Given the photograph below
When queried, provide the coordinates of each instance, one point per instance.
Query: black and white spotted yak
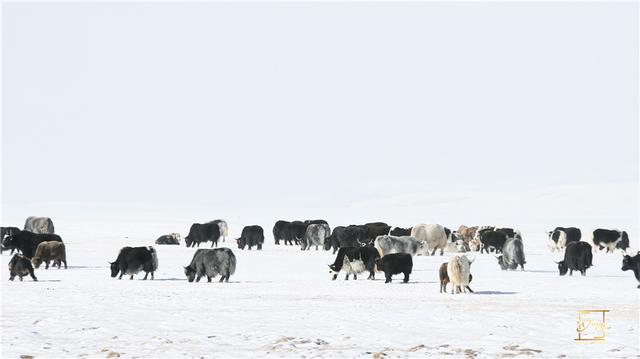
(610, 239)
(561, 236)
(354, 260)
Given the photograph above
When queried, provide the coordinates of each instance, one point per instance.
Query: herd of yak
(368, 248)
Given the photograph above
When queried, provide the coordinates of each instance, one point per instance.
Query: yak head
(422, 249)
(333, 272)
(188, 241)
(115, 268)
(501, 262)
(241, 242)
(327, 243)
(470, 260)
(627, 261)
(9, 241)
(36, 261)
(562, 267)
(190, 273)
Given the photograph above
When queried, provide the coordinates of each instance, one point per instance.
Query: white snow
(281, 302)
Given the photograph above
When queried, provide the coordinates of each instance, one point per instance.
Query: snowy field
(281, 303)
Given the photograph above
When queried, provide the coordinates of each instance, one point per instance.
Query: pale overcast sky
(275, 102)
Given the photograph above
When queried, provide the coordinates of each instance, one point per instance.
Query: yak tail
(154, 257)
(521, 259)
(224, 229)
(232, 263)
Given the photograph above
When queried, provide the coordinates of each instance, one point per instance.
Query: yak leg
(33, 276)
(146, 274)
(469, 289)
(46, 264)
(406, 277)
(388, 278)
(355, 276)
(372, 275)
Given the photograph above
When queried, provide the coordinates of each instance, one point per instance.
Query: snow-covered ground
(281, 302)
